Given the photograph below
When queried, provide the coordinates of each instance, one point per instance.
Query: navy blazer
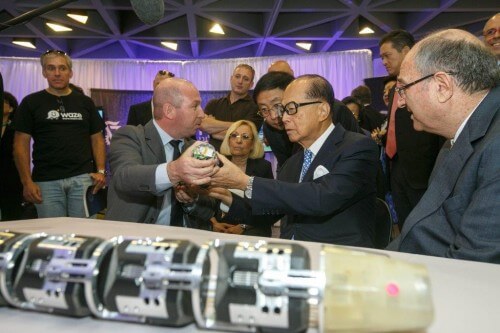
(459, 214)
(337, 208)
(140, 114)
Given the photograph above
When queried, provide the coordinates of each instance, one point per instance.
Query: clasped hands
(193, 177)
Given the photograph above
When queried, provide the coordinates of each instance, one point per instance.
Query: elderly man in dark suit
(327, 191)
(449, 84)
(145, 163)
(141, 113)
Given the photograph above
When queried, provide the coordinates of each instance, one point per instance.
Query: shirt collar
(316, 146)
(461, 128)
(165, 137)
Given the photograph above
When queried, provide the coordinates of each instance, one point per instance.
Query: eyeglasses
(53, 51)
(401, 90)
(62, 109)
(276, 108)
(244, 136)
(164, 72)
(490, 32)
(291, 108)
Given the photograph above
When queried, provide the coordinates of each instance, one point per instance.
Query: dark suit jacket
(459, 214)
(416, 151)
(370, 118)
(134, 154)
(140, 114)
(336, 208)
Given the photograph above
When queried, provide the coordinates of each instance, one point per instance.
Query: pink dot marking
(392, 289)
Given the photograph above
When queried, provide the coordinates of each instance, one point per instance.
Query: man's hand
(32, 193)
(99, 181)
(229, 176)
(223, 227)
(222, 194)
(191, 171)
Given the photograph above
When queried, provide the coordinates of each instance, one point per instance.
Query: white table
(466, 294)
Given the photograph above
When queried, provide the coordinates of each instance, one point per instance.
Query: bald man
(141, 113)
(280, 66)
(491, 33)
(143, 159)
(448, 84)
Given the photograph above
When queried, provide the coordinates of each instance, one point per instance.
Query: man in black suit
(327, 191)
(141, 113)
(369, 117)
(411, 154)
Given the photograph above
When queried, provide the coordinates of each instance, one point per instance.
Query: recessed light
(303, 45)
(217, 29)
(170, 45)
(79, 17)
(24, 43)
(58, 27)
(366, 31)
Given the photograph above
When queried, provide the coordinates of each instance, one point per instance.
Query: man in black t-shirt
(237, 105)
(68, 148)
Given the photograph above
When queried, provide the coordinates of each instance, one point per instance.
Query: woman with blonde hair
(244, 148)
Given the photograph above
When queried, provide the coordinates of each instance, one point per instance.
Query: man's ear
(324, 111)
(169, 111)
(405, 50)
(444, 85)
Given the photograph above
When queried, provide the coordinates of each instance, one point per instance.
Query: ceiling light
(81, 17)
(305, 46)
(57, 27)
(217, 29)
(170, 45)
(365, 27)
(29, 43)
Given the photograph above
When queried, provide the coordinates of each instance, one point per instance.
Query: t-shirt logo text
(54, 114)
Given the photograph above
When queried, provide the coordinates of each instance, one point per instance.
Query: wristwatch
(244, 227)
(249, 188)
(102, 171)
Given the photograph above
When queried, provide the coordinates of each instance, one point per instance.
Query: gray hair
(54, 54)
(473, 65)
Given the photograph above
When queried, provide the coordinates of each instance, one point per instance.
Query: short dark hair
(474, 67)
(363, 94)
(12, 101)
(320, 88)
(352, 100)
(399, 39)
(270, 81)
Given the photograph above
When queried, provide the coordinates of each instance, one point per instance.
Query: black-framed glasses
(53, 51)
(276, 108)
(292, 107)
(401, 90)
(163, 72)
(244, 136)
(62, 109)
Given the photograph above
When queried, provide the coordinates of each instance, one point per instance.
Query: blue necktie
(308, 156)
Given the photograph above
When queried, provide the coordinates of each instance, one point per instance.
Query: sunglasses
(54, 51)
(164, 72)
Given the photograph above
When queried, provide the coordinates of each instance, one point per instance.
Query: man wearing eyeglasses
(237, 105)
(327, 191)
(491, 33)
(68, 149)
(449, 84)
(141, 113)
(411, 153)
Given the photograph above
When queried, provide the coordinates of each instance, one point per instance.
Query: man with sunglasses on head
(141, 113)
(68, 151)
(327, 192)
(449, 84)
(411, 153)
